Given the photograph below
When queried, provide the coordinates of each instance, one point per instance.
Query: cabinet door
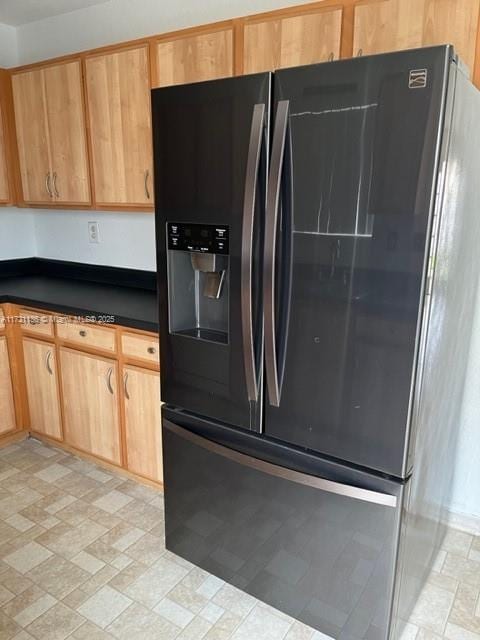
(42, 387)
(4, 185)
(387, 25)
(7, 406)
(291, 41)
(143, 422)
(118, 99)
(66, 123)
(32, 136)
(205, 56)
(90, 404)
(453, 22)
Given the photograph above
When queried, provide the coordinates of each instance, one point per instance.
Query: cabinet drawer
(88, 335)
(140, 347)
(37, 322)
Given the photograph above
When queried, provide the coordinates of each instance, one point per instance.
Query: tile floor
(82, 556)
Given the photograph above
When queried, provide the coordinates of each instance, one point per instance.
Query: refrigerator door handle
(330, 486)
(273, 202)
(251, 179)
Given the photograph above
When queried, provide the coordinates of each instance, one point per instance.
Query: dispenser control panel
(202, 238)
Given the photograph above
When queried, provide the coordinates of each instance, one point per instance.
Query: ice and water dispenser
(198, 280)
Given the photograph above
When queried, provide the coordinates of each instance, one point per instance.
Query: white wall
(8, 46)
(17, 234)
(119, 20)
(126, 239)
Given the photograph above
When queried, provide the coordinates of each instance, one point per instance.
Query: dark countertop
(131, 306)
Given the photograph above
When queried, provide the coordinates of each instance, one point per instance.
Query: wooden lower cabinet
(143, 428)
(7, 406)
(41, 375)
(90, 404)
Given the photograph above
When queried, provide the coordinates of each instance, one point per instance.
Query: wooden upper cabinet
(32, 136)
(118, 100)
(392, 25)
(67, 129)
(50, 122)
(7, 407)
(4, 182)
(292, 40)
(204, 56)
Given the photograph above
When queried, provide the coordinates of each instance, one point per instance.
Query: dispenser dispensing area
(198, 280)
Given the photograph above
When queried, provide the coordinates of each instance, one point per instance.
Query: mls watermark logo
(417, 79)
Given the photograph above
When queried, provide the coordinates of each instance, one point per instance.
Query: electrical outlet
(93, 233)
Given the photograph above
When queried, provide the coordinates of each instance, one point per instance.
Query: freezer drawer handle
(346, 490)
(251, 179)
(275, 352)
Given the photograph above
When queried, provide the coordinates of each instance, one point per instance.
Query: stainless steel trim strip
(346, 490)
(273, 198)
(251, 179)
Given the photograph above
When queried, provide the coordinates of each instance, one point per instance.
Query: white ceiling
(18, 12)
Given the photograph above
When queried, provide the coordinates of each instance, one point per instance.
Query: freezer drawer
(320, 550)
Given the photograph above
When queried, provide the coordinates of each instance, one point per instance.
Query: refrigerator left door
(210, 154)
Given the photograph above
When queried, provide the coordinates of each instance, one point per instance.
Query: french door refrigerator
(317, 270)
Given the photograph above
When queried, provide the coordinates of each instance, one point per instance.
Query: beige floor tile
(432, 608)
(15, 582)
(27, 557)
(5, 594)
(89, 631)
(99, 579)
(19, 522)
(155, 583)
(454, 632)
(142, 515)
(58, 576)
(126, 576)
(113, 501)
(8, 627)
(212, 612)
(224, 627)
(443, 581)
(197, 629)
(56, 624)
(299, 631)
(140, 623)
(425, 634)
(261, 625)
(53, 473)
(174, 612)
(104, 606)
(463, 569)
(36, 609)
(464, 610)
(88, 562)
(234, 600)
(148, 549)
(76, 539)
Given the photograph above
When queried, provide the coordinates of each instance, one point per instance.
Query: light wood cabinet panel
(205, 56)
(7, 407)
(291, 41)
(143, 423)
(90, 402)
(391, 25)
(68, 144)
(90, 336)
(4, 183)
(141, 347)
(118, 101)
(455, 22)
(42, 387)
(32, 135)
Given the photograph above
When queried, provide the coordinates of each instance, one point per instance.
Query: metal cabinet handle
(109, 380)
(147, 191)
(125, 387)
(151, 350)
(290, 475)
(331, 57)
(48, 188)
(47, 362)
(249, 199)
(82, 333)
(55, 184)
(360, 53)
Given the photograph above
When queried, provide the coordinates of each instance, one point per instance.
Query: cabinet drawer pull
(47, 363)
(125, 387)
(359, 53)
(331, 57)
(109, 380)
(151, 350)
(47, 185)
(83, 333)
(147, 191)
(55, 184)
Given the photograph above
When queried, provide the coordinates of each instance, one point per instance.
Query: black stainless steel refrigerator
(317, 246)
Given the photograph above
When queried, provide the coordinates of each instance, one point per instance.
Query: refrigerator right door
(351, 186)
